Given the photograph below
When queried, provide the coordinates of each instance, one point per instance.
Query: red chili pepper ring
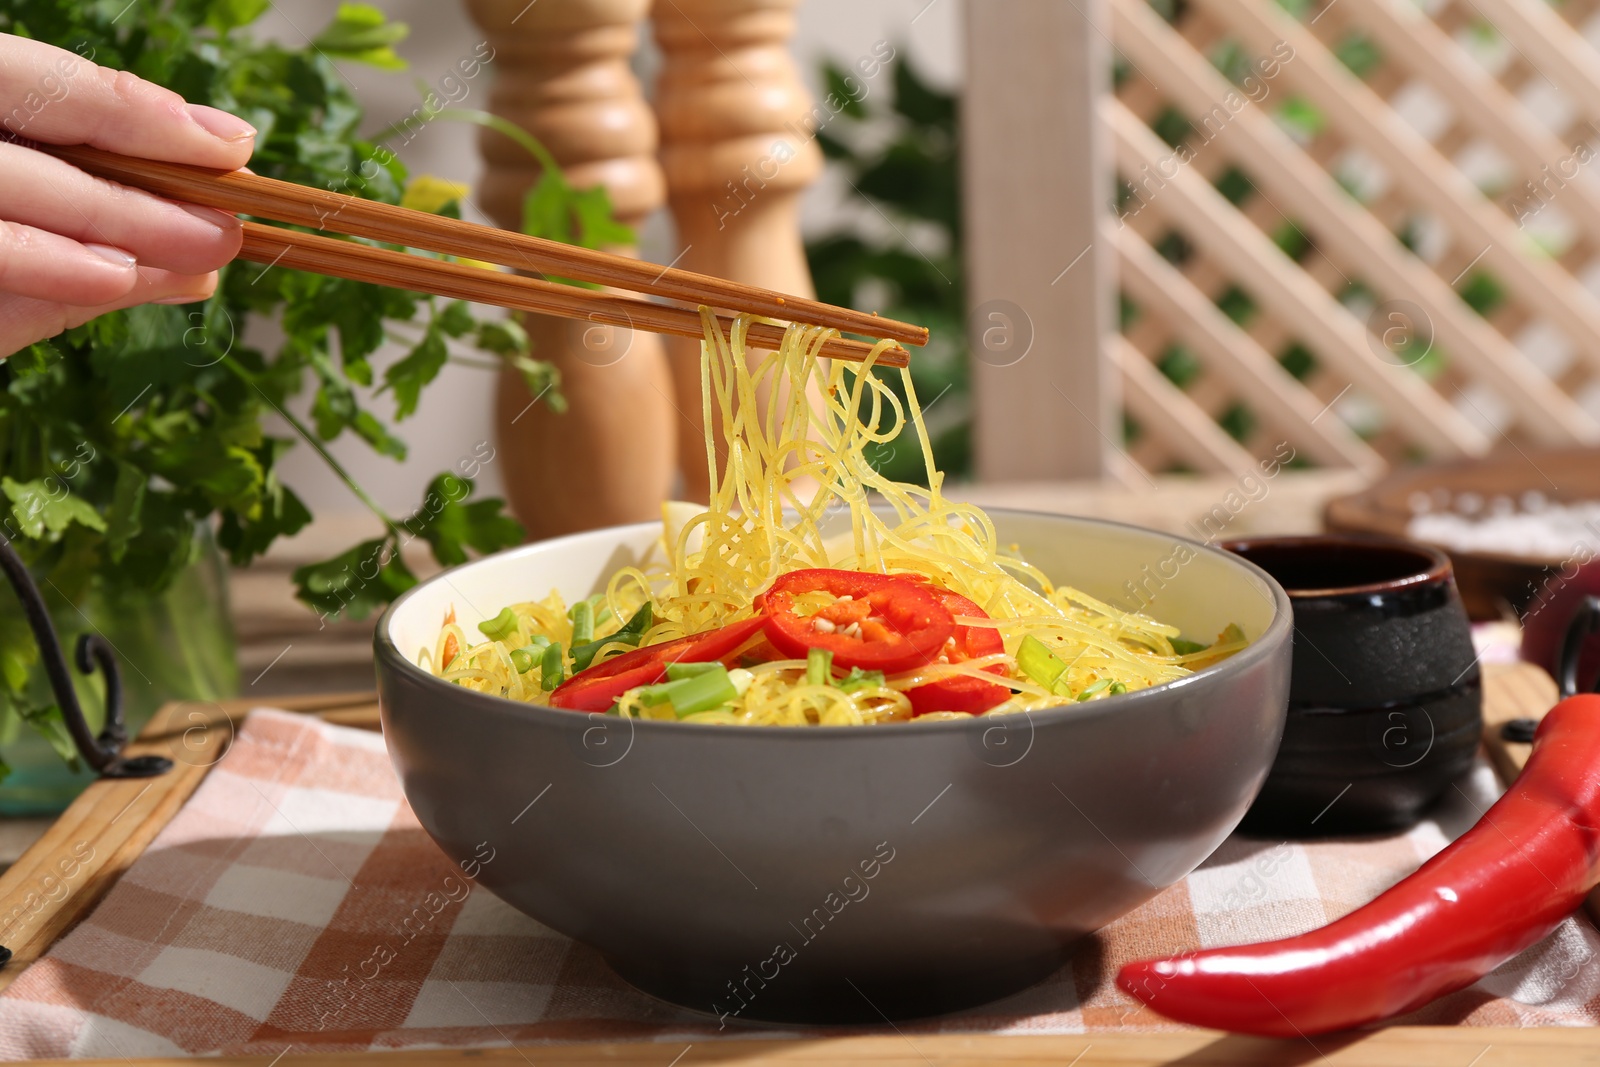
(879, 623)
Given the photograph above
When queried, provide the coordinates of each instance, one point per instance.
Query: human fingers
(59, 97)
(49, 194)
(24, 320)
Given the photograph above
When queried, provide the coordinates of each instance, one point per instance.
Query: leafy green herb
(1184, 647)
(553, 209)
(897, 145)
(361, 33)
(118, 437)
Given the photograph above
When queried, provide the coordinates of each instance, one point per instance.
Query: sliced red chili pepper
(901, 624)
(596, 688)
(1500, 887)
(963, 693)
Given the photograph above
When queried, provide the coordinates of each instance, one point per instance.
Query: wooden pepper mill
(562, 74)
(738, 149)
(737, 126)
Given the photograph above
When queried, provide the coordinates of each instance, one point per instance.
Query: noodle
(763, 520)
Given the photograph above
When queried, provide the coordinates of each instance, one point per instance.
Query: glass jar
(178, 646)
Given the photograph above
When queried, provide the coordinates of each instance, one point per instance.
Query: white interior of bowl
(1174, 580)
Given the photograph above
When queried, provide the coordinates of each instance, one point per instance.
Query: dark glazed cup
(1385, 700)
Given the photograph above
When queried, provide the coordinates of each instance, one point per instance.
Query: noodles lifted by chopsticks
(795, 490)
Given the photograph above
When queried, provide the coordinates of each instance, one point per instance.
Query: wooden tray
(114, 821)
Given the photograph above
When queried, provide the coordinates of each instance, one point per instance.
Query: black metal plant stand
(103, 754)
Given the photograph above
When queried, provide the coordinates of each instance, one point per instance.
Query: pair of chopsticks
(240, 193)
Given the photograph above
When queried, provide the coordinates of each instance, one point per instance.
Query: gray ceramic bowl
(845, 873)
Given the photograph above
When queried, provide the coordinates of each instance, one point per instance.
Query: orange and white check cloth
(279, 910)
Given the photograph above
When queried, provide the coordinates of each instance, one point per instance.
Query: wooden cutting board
(67, 871)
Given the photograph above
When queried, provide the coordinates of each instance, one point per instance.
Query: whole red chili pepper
(1497, 889)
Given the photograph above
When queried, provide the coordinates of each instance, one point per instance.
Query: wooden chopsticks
(240, 193)
(383, 266)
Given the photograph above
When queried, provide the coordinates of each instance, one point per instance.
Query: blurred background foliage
(901, 156)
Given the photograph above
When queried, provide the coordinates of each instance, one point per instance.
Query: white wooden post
(1037, 185)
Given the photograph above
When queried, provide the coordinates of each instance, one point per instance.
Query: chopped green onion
(1182, 647)
(859, 679)
(651, 695)
(1104, 683)
(819, 666)
(692, 693)
(1117, 689)
(551, 667)
(678, 671)
(1040, 664)
(597, 606)
(636, 626)
(741, 679)
(524, 659)
(702, 692)
(632, 633)
(501, 626)
(583, 655)
(582, 616)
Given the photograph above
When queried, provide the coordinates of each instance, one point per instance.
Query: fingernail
(191, 298)
(219, 219)
(220, 124)
(114, 255)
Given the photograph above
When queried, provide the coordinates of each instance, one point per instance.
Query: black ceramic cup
(1385, 699)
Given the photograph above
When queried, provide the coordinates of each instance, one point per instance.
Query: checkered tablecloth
(295, 903)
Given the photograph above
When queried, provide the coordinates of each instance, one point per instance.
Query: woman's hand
(73, 246)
